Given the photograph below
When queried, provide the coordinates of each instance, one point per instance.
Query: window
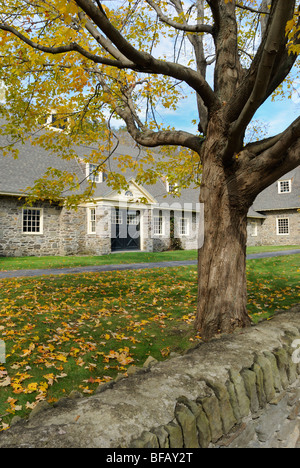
(158, 225)
(283, 226)
(116, 217)
(253, 229)
(171, 186)
(183, 227)
(58, 122)
(133, 219)
(92, 221)
(284, 186)
(32, 221)
(93, 174)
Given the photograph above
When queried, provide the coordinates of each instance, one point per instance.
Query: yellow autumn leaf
(50, 378)
(60, 357)
(32, 387)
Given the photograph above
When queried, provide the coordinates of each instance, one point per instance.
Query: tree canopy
(90, 62)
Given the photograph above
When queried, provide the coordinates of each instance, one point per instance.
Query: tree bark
(222, 286)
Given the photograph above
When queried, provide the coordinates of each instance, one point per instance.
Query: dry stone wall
(237, 391)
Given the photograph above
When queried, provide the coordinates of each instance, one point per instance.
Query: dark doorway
(125, 230)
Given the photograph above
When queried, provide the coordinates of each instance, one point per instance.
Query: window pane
(92, 220)
(31, 220)
(116, 217)
(284, 186)
(183, 227)
(94, 175)
(132, 219)
(283, 226)
(158, 225)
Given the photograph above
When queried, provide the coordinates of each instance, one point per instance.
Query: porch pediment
(134, 194)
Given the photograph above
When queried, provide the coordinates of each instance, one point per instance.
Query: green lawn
(19, 263)
(78, 331)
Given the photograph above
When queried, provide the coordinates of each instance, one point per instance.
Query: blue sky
(280, 114)
(275, 116)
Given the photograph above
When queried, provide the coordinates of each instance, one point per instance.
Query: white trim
(284, 181)
(285, 218)
(90, 221)
(125, 200)
(41, 221)
(142, 234)
(186, 224)
(97, 175)
(279, 209)
(174, 185)
(163, 225)
(254, 226)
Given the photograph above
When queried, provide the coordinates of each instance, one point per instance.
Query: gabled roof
(270, 199)
(33, 161)
(18, 174)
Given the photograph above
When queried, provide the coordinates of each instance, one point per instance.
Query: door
(125, 230)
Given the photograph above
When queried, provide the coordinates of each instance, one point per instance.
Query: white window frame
(116, 217)
(184, 226)
(51, 119)
(158, 225)
(171, 186)
(282, 184)
(279, 228)
(41, 222)
(133, 219)
(254, 226)
(96, 177)
(91, 212)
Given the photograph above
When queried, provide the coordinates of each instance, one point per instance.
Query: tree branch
(277, 156)
(73, 47)
(204, 28)
(253, 10)
(105, 43)
(146, 62)
(272, 50)
(286, 141)
(140, 133)
(260, 146)
(201, 62)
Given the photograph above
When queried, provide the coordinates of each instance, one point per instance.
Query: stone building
(147, 218)
(274, 218)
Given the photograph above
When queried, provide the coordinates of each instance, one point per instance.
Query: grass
(17, 263)
(75, 332)
(20, 263)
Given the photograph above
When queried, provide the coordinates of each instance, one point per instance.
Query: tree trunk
(222, 287)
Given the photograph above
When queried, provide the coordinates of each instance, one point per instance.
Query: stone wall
(237, 391)
(99, 243)
(267, 229)
(12, 240)
(64, 231)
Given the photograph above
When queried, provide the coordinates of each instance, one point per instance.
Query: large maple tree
(90, 61)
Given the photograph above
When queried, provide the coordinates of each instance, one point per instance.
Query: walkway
(133, 266)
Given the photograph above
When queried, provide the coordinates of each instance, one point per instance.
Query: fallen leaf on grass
(6, 382)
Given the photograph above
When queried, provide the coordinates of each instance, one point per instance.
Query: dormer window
(171, 186)
(56, 121)
(93, 174)
(284, 186)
